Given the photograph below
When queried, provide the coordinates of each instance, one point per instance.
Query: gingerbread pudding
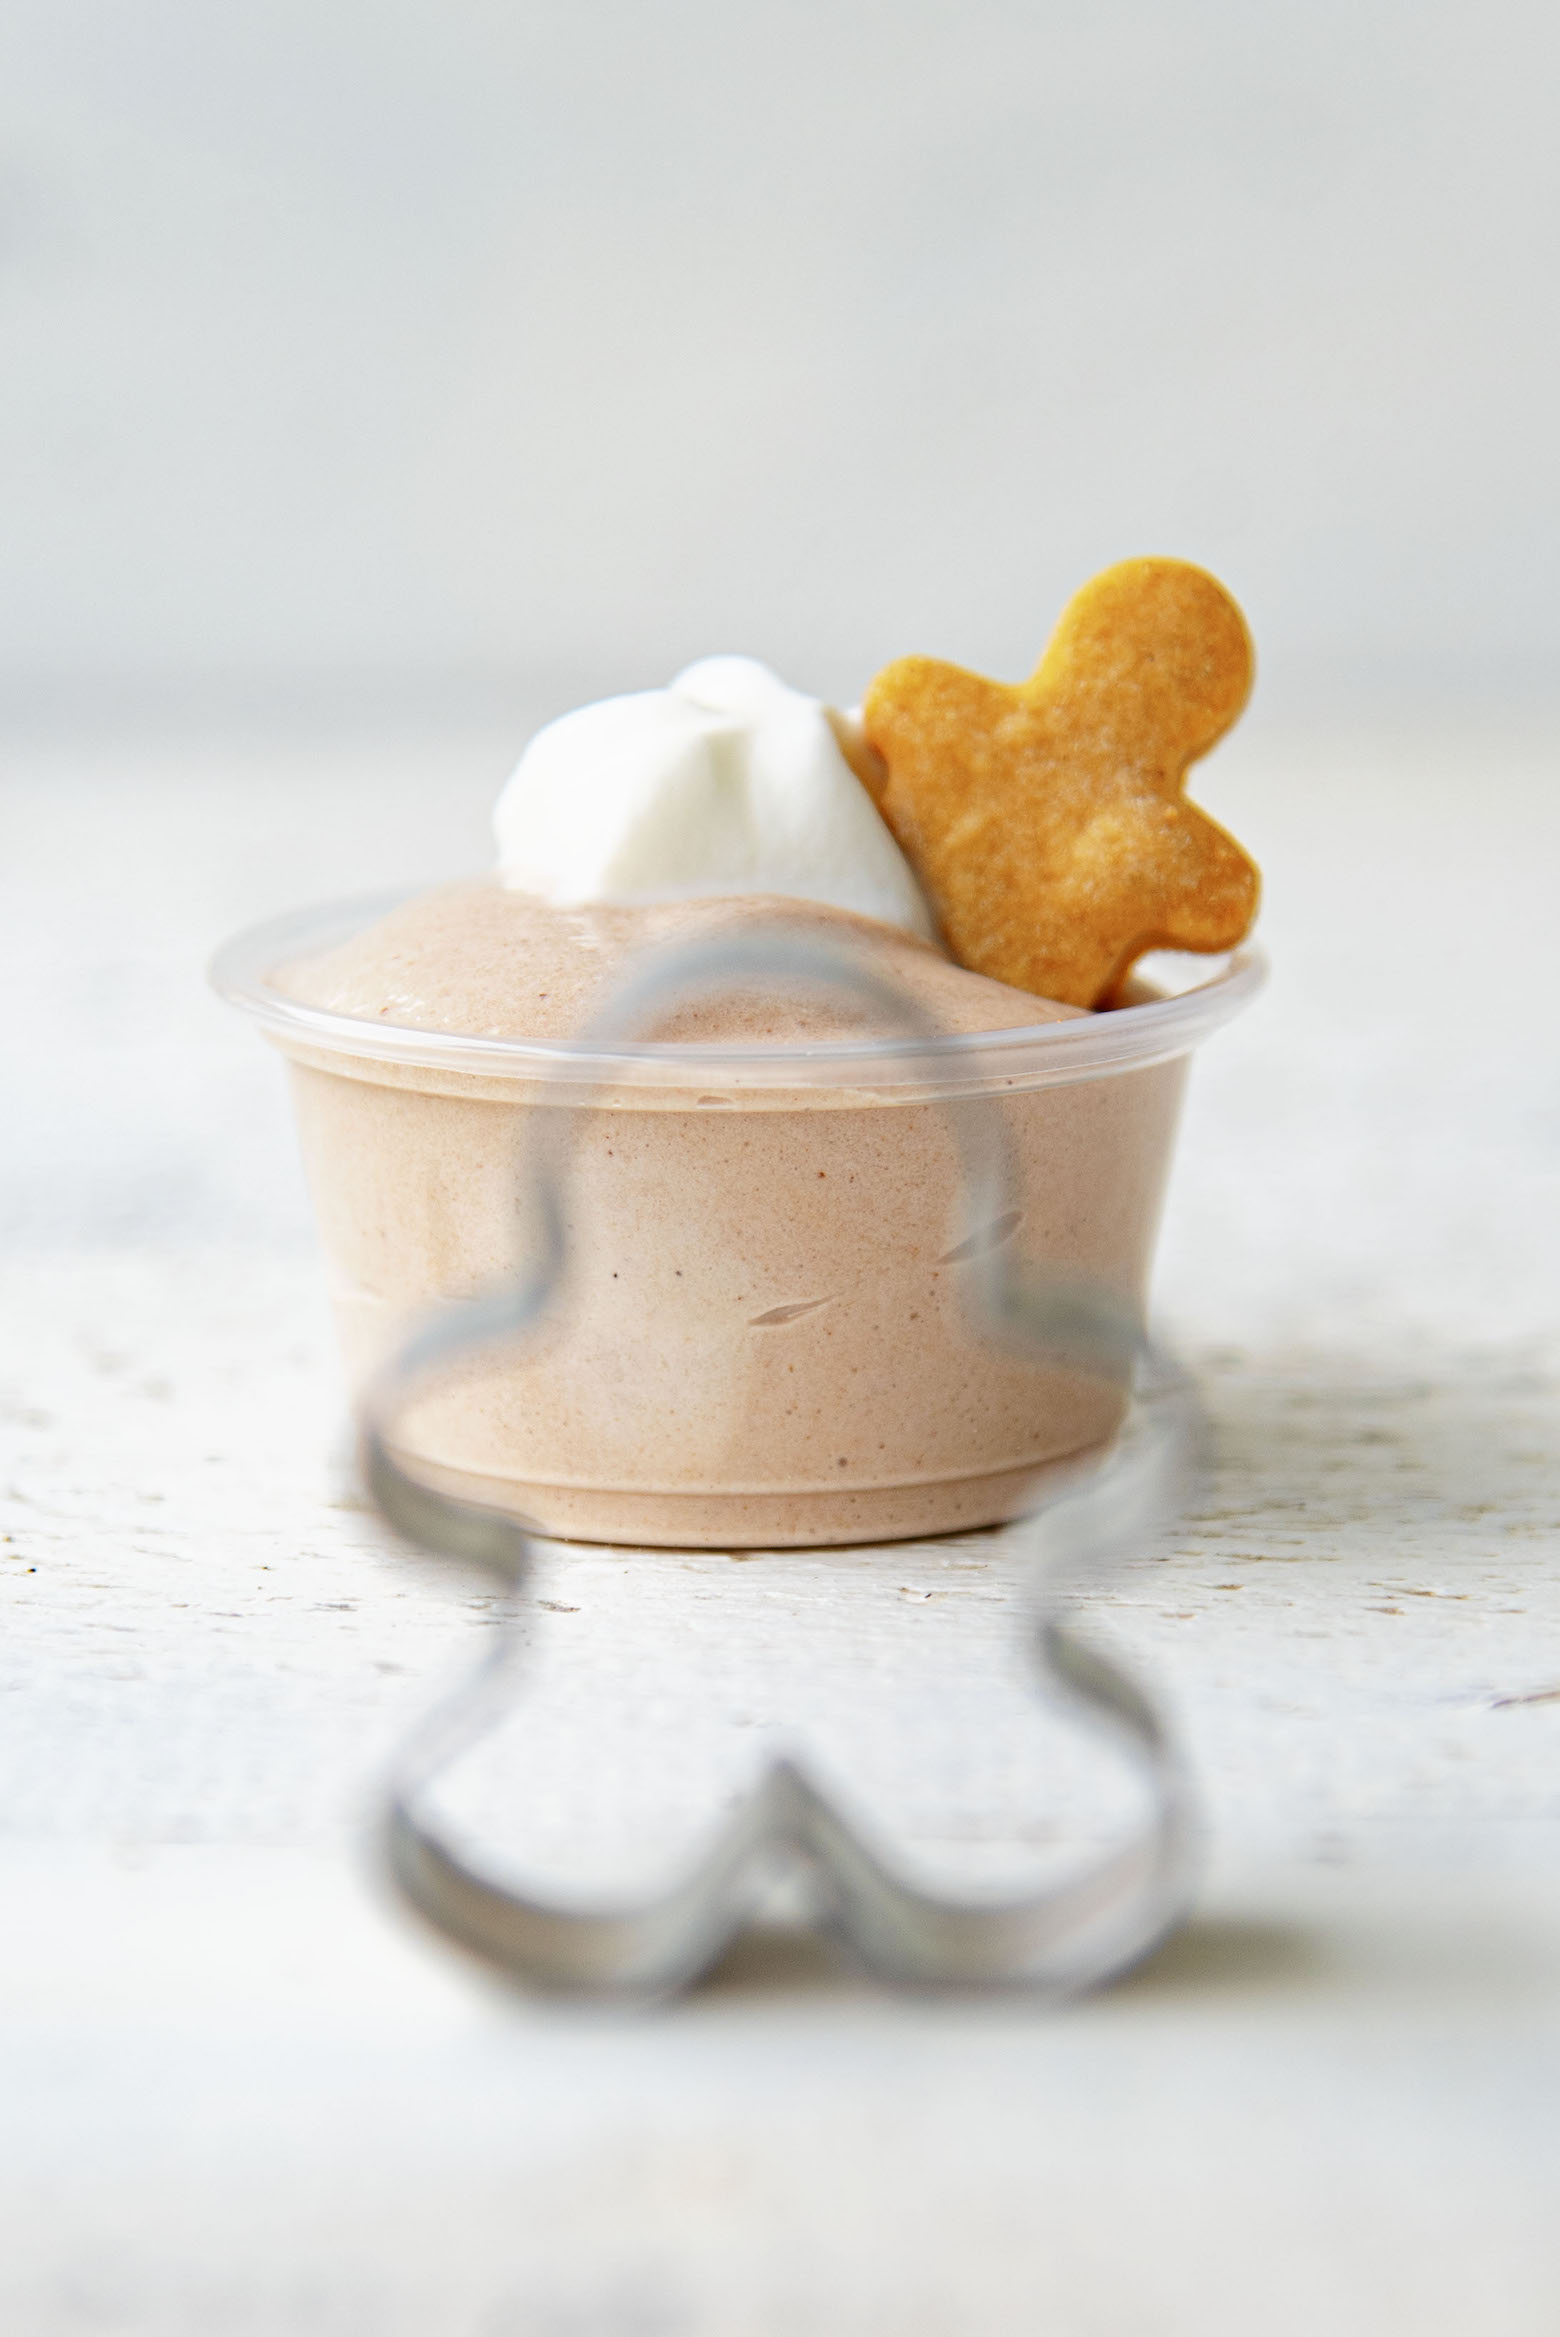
(765, 1335)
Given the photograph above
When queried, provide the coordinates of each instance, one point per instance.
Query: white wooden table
(240, 2091)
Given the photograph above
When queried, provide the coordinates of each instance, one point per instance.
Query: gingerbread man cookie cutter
(1061, 1938)
(1047, 819)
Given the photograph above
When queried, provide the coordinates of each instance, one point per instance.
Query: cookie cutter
(1060, 1938)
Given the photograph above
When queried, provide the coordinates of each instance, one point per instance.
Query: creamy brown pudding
(763, 1339)
(764, 1335)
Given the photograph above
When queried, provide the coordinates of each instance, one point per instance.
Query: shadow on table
(1209, 1954)
(1228, 1953)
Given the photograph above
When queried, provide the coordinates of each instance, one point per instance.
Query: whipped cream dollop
(727, 782)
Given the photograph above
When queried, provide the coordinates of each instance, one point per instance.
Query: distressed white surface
(238, 2091)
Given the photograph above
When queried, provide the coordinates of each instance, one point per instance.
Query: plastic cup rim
(1125, 1038)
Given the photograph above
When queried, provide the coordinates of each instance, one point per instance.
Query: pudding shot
(765, 1337)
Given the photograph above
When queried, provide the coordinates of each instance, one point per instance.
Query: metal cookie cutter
(1066, 1936)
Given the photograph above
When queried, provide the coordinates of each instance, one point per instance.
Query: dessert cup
(763, 1339)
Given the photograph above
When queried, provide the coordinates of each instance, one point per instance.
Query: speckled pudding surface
(762, 1341)
(479, 959)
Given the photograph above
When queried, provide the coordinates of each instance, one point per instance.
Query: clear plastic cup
(763, 1340)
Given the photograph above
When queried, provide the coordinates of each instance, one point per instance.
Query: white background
(499, 352)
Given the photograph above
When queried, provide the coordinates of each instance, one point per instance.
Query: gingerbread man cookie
(1046, 818)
